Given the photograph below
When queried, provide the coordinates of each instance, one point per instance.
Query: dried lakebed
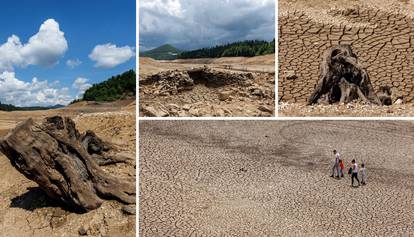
(268, 178)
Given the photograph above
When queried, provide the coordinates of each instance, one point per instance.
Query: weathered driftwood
(65, 163)
(342, 79)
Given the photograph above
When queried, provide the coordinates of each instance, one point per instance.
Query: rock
(83, 231)
(224, 95)
(173, 107)
(194, 112)
(165, 93)
(186, 107)
(129, 209)
(399, 101)
(227, 111)
(290, 75)
(152, 112)
(258, 92)
(265, 109)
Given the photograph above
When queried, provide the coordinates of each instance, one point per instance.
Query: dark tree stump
(342, 79)
(64, 163)
(384, 95)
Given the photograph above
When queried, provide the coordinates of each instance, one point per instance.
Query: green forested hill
(165, 52)
(9, 107)
(247, 48)
(116, 87)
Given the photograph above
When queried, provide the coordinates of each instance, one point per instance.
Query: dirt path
(271, 178)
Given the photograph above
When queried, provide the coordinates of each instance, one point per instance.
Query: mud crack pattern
(383, 41)
(271, 178)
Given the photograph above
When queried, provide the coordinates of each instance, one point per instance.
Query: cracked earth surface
(271, 178)
(380, 33)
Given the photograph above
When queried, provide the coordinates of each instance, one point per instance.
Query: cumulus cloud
(45, 48)
(34, 93)
(190, 24)
(81, 85)
(109, 55)
(72, 63)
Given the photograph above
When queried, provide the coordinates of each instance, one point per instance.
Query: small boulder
(224, 95)
(291, 75)
(83, 230)
(264, 108)
(129, 209)
(153, 112)
(399, 101)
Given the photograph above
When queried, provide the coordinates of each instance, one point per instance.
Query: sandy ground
(379, 32)
(204, 100)
(271, 178)
(26, 211)
(287, 109)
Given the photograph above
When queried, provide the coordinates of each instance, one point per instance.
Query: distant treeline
(247, 48)
(9, 107)
(115, 88)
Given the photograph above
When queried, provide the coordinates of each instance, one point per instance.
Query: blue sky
(65, 45)
(193, 24)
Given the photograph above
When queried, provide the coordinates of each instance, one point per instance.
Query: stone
(129, 209)
(186, 107)
(265, 109)
(399, 101)
(224, 95)
(83, 231)
(291, 75)
(152, 112)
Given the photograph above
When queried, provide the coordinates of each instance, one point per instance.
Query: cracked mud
(380, 32)
(257, 178)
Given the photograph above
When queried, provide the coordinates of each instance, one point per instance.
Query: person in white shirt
(363, 174)
(336, 164)
(354, 172)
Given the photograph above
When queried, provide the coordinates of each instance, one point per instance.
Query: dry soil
(271, 178)
(380, 33)
(205, 100)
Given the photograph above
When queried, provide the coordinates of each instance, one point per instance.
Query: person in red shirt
(341, 167)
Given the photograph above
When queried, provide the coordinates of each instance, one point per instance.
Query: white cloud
(45, 48)
(190, 24)
(171, 7)
(81, 85)
(72, 63)
(109, 55)
(34, 93)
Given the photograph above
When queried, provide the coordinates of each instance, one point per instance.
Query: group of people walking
(353, 171)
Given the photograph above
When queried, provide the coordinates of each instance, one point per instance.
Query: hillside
(248, 48)
(115, 88)
(164, 52)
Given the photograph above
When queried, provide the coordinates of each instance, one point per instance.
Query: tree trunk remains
(342, 79)
(65, 163)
